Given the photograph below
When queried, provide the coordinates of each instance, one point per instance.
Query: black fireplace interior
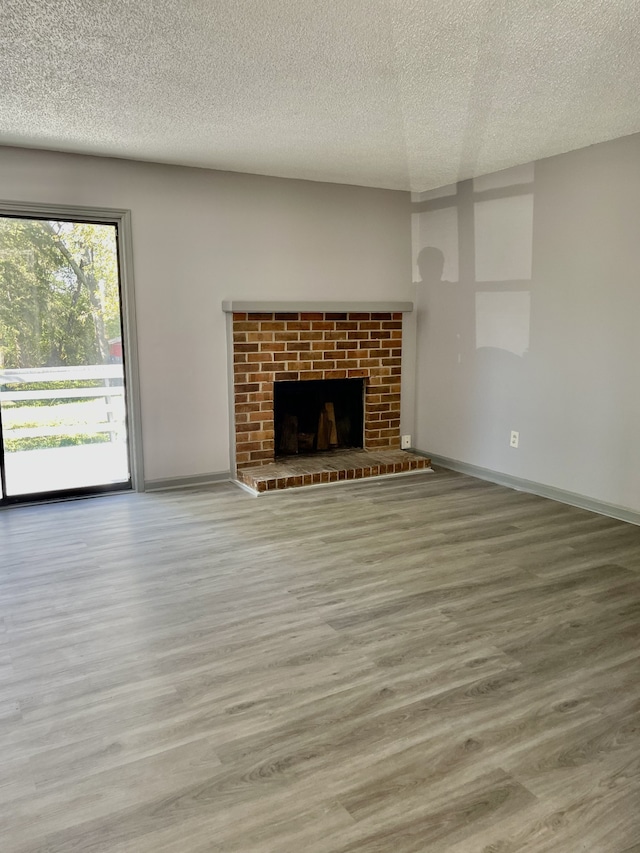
(318, 415)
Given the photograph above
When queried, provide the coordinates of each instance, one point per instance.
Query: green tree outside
(59, 298)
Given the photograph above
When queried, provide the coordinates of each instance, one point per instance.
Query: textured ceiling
(405, 94)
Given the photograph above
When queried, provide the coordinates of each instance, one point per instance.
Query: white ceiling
(404, 94)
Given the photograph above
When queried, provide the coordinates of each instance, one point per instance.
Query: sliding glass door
(63, 412)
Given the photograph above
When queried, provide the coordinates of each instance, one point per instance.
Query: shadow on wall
(473, 249)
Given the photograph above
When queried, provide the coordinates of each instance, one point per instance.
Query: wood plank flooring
(425, 663)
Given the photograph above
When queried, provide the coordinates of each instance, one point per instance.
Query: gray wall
(533, 323)
(202, 236)
(534, 327)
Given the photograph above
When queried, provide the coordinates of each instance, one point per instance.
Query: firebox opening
(318, 415)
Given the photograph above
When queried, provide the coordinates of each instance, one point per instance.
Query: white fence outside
(113, 396)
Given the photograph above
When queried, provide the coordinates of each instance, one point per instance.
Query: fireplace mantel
(231, 306)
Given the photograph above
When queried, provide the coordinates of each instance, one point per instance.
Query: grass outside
(58, 418)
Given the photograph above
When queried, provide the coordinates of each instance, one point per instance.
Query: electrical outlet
(515, 438)
(406, 442)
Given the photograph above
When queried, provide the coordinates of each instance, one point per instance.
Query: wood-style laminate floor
(429, 663)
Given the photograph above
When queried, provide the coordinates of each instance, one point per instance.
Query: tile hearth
(317, 468)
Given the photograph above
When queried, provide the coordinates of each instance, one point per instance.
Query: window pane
(62, 397)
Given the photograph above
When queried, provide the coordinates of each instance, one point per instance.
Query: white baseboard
(245, 488)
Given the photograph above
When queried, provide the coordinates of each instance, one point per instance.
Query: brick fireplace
(285, 345)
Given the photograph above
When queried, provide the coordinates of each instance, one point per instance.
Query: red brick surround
(272, 347)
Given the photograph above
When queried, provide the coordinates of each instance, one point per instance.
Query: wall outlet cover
(406, 442)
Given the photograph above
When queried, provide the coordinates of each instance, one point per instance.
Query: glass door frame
(121, 219)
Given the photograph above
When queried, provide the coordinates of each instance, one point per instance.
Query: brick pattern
(272, 347)
(312, 470)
